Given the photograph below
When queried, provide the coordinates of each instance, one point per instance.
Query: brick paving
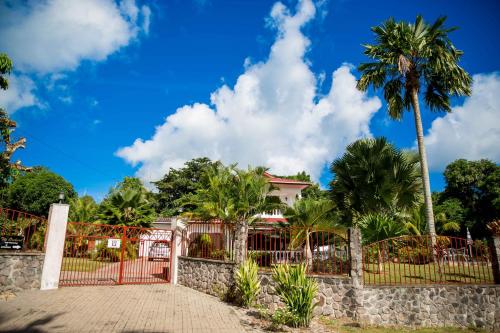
(131, 308)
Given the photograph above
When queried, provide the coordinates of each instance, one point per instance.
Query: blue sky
(85, 89)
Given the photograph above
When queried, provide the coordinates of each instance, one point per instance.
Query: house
(288, 191)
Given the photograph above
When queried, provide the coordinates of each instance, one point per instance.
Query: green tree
(374, 177)
(35, 191)
(178, 183)
(7, 126)
(83, 209)
(308, 214)
(233, 196)
(129, 207)
(408, 59)
(472, 194)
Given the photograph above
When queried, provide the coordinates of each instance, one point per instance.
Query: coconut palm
(409, 59)
(373, 176)
(308, 214)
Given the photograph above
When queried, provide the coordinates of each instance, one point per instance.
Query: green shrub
(247, 282)
(297, 291)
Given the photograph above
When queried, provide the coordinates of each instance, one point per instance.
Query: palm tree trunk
(308, 253)
(429, 214)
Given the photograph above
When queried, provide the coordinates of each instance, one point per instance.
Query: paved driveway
(131, 308)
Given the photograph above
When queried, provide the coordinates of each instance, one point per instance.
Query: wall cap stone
(496, 286)
(208, 260)
(6, 254)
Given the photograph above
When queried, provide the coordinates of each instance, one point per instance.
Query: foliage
(178, 183)
(373, 176)
(127, 207)
(247, 282)
(8, 170)
(231, 195)
(309, 214)
(297, 291)
(473, 188)
(35, 191)
(414, 56)
(379, 226)
(83, 209)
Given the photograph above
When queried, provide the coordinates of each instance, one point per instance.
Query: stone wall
(213, 277)
(20, 271)
(426, 306)
(430, 306)
(336, 296)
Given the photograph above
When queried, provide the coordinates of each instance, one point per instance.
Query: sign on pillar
(54, 246)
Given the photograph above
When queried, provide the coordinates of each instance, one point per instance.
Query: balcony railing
(275, 213)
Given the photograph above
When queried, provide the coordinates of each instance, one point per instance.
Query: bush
(262, 258)
(297, 291)
(415, 255)
(247, 282)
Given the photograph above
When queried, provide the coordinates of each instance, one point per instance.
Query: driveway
(130, 308)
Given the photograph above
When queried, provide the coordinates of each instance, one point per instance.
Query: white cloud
(21, 93)
(56, 35)
(471, 131)
(273, 115)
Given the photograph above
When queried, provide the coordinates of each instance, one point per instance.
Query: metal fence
(20, 231)
(209, 240)
(408, 260)
(97, 254)
(323, 250)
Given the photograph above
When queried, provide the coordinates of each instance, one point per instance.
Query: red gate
(96, 254)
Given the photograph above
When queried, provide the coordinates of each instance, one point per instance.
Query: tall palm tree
(373, 176)
(308, 214)
(408, 59)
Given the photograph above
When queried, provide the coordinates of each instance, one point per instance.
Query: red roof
(277, 180)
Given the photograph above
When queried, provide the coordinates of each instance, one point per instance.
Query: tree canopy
(372, 177)
(471, 195)
(7, 146)
(231, 195)
(178, 183)
(35, 191)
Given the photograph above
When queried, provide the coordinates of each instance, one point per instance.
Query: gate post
(177, 227)
(54, 250)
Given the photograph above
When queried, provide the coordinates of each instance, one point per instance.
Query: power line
(69, 156)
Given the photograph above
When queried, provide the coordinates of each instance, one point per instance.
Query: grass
(399, 273)
(349, 327)
(82, 264)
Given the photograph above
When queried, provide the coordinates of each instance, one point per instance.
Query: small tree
(308, 214)
(233, 196)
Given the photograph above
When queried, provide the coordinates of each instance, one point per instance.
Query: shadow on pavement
(32, 327)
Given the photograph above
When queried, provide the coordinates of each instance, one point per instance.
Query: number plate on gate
(114, 243)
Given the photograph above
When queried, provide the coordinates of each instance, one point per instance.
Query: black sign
(11, 242)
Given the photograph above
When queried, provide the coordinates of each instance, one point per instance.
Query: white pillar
(177, 228)
(54, 249)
